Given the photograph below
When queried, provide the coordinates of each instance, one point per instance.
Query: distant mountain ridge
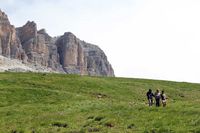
(63, 54)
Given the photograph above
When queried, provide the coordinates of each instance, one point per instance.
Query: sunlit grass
(31, 102)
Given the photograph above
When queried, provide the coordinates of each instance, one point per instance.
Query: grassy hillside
(51, 103)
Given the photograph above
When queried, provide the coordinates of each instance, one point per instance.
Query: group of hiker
(159, 97)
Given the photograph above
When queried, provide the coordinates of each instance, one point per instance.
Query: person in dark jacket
(150, 96)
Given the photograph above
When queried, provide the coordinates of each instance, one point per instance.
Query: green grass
(51, 103)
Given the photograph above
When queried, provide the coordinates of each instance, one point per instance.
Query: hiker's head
(150, 90)
(157, 90)
(163, 92)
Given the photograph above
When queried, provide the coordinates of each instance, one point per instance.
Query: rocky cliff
(64, 54)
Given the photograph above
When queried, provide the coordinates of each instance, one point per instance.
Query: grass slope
(51, 103)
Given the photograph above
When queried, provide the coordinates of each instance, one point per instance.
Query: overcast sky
(157, 39)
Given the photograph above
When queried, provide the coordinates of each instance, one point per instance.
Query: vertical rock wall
(66, 54)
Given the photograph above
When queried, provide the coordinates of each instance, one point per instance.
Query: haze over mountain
(63, 54)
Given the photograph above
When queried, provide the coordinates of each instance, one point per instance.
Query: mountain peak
(64, 54)
(42, 31)
(3, 18)
(31, 24)
(2, 14)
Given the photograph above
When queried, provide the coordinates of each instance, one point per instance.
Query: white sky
(157, 39)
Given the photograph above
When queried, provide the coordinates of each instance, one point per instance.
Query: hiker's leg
(151, 102)
(156, 102)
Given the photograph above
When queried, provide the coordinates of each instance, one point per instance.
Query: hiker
(164, 99)
(150, 96)
(157, 98)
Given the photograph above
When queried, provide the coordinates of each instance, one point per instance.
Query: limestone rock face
(96, 60)
(77, 56)
(10, 45)
(33, 43)
(64, 54)
(39, 46)
(71, 54)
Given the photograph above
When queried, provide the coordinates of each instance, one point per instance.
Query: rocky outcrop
(71, 54)
(10, 45)
(33, 43)
(77, 56)
(96, 60)
(65, 54)
(39, 46)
